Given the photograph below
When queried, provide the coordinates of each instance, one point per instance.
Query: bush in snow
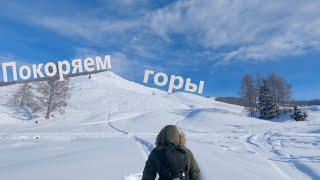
(298, 114)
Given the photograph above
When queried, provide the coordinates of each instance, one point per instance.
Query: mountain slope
(111, 123)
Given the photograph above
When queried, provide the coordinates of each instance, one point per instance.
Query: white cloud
(121, 64)
(228, 29)
(253, 29)
(94, 25)
(129, 2)
(89, 29)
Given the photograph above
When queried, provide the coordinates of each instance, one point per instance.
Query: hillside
(111, 123)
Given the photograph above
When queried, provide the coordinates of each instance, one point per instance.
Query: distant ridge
(238, 101)
(45, 78)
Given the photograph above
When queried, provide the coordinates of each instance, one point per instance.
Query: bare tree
(25, 97)
(275, 83)
(248, 93)
(257, 85)
(286, 93)
(53, 96)
(23, 101)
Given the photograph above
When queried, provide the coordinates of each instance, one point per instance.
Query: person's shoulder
(157, 149)
(156, 152)
(186, 149)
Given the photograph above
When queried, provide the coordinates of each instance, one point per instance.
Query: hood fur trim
(182, 138)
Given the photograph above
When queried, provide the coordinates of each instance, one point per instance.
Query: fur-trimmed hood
(170, 134)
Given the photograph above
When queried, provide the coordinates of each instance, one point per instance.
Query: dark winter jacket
(169, 135)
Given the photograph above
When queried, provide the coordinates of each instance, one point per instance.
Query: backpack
(173, 163)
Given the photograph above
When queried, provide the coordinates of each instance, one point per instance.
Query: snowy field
(111, 124)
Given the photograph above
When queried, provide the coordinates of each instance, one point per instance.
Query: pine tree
(305, 115)
(298, 114)
(53, 96)
(266, 106)
(281, 91)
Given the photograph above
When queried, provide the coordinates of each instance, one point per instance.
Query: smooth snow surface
(111, 124)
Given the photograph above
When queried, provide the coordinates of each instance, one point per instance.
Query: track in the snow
(145, 146)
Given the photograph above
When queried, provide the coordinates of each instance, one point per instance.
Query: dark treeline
(307, 102)
(238, 101)
(230, 100)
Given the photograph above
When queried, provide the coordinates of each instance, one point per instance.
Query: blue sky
(215, 41)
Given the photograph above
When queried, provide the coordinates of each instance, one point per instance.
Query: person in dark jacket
(170, 135)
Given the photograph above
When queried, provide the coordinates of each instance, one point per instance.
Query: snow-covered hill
(111, 124)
